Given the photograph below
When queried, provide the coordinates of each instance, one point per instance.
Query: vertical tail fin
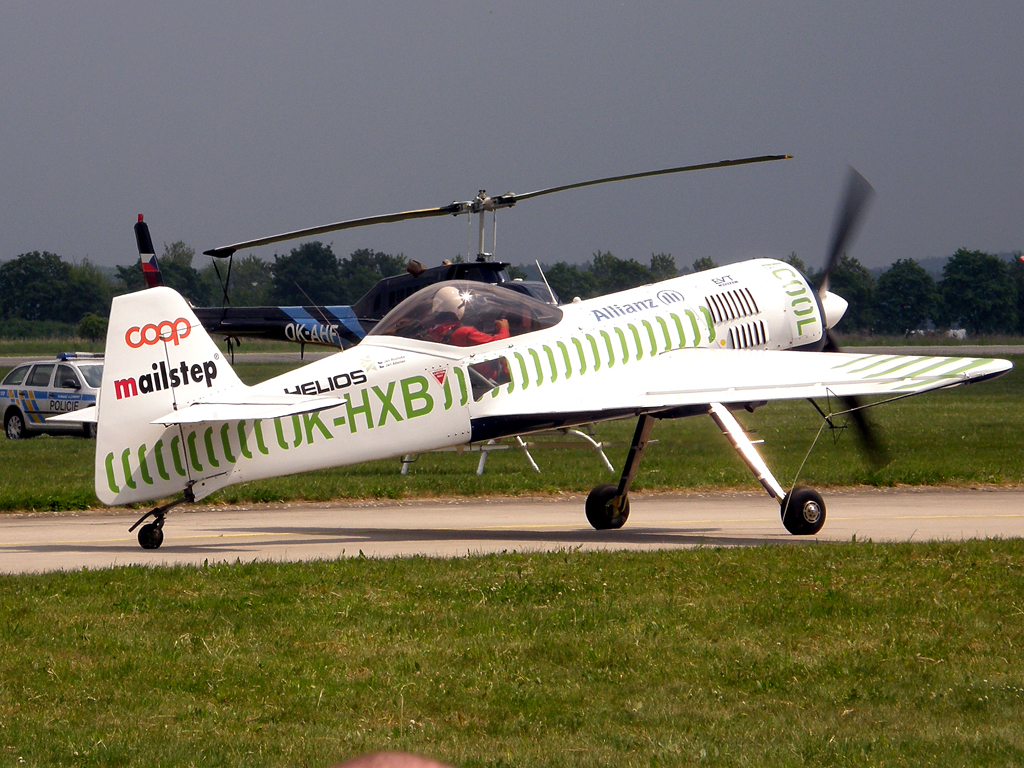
(147, 256)
(158, 359)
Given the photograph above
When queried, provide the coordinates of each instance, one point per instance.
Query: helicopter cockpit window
(462, 313)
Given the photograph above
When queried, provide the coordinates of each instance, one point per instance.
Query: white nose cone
(834, 307)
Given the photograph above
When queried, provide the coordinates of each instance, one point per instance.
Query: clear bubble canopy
(433, 313)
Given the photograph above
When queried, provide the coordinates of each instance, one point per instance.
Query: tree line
(42, 295)
(977, 291)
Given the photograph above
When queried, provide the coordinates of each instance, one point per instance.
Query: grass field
(825, 654)
(962, 436)
(844, 655)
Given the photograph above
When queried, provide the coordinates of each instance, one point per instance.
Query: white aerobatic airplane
(173, 417)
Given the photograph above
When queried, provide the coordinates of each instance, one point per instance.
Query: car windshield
(464, 313)
(93, 373)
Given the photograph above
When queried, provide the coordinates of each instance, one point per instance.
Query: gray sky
(223, 122)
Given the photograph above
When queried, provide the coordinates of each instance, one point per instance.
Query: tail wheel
(606, 510)
(803, 511)
(151, 536)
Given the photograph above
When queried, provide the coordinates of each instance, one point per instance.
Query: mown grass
(962, 436)
(851, 654)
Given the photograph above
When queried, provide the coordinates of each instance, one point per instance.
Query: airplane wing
(701, 376)
(242, 404)
(767, 375)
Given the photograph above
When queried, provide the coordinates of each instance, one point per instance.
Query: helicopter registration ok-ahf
(175, 419)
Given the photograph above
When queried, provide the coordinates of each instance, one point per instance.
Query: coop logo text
(166, 330)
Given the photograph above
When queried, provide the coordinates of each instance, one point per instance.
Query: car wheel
(14, 425)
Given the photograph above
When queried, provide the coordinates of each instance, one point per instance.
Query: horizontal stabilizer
(84, 416)
(250, 407)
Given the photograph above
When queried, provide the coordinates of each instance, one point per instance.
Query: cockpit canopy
(432, 313)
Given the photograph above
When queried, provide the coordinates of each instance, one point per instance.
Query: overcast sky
(225, 122)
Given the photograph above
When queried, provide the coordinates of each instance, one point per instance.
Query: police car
(34, 391)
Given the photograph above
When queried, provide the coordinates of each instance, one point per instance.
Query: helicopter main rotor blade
(423, 213)
(661, 172)
(474, 206)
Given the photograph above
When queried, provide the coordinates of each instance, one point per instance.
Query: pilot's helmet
(450, 299)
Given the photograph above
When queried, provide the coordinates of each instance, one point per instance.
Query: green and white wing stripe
(728, 376)
(699, 376)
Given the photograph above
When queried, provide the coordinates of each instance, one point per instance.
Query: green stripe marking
(208, 440)
(711, 324)
(110, 474)
(583, 360)
(611, 352)
(901, 366)
(280, 434)
(178, 466)
(664, 330)
(858, 359)
(565, 355)
(955, 373)
(243, 442)
(143, 466)
(158, 451)
(226, 443)
(522, 367)
(551, 359)
(536, 361)
(127, 469)
(192, 452)
(696, 328)
(463, 396)
(885, 359)
(650, 334)
(625, 347)
(261, 446)
(679, 327)
(597, 354)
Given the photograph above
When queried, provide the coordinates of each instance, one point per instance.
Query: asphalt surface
(454, 528)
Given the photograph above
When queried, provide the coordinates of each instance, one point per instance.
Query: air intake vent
(748, 335)
(732, 305)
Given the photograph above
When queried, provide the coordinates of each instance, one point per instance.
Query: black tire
(601, 510)
(14, 425)
(88, 430)
(803, 511)
(151, 536)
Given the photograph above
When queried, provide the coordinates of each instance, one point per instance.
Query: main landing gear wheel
(803, 511)
(151, 535)
(606, 510)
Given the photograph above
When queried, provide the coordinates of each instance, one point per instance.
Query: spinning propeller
(848, 219)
